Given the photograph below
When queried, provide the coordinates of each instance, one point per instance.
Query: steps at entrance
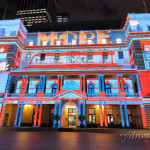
(147, 112)
(65, 129)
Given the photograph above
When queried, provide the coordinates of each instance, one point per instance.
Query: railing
(112, 95)
(132, 95)
(28, 95)
(73, 68)
(91, 95)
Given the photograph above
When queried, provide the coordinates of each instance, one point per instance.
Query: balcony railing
(88, 95)
(132, 95)
(73, 68)
(112, 95)
(28, 95)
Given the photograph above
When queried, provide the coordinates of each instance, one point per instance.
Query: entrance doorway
(72, 117)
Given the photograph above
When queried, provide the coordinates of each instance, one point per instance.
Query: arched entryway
(70, 115)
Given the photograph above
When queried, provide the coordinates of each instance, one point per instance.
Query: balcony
(88, 95)
(112, 95)
(73, 68)
(29, 95)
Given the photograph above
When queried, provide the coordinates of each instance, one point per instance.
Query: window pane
(120, 55)
(73, 42)
(89, 41)
(119, 40)
(28, 57)
(30, 43)
(104, 41)
(44, 43)
(42, 56)
(58, 42)
(92, 111)
(109, 111)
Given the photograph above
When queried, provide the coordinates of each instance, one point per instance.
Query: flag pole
(145, 6)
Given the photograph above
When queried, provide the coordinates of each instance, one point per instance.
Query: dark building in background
(37, 11)
(63, 17)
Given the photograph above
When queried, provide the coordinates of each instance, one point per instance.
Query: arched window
(126, 88)
(107, 88)
(90, 88)
(54, 88)
(37, 88)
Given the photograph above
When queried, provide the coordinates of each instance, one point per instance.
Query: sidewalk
(88, 130)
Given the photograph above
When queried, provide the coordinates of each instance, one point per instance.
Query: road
(70, 141)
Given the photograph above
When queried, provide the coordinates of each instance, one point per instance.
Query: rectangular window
(104, 41)
(30, 43)
(89, 41)
(42, 56)
(92, 115)
(110, 115)
(119, 40)
(44, 43)
(74, 42)
(90, 57)
(28, 57)
(58, 42)
(105, 55)
(57, 57)
(120, 55)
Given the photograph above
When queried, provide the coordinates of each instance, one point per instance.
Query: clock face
(146, 47)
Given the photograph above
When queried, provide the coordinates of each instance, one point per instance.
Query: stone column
(55, 113)
(101, 115)
(126, 114)
(35, 117)
(79, 111)
(2, 114)
(122, 116)
(138, 83)
(40, 116)
(84, 114)
(105, 116)
(143, 116)
(17, 115)
(20, 117)
(59, 113)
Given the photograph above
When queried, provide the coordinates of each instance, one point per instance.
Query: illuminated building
(31, 11)
(63, 18)
(100, 74)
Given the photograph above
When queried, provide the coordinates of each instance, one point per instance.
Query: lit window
(104, 41)
(58, 42)
(119, 40)
(28, 57)
(44, 43)
(89, 41)
(30, 43)
(74, 42)
(2, 49)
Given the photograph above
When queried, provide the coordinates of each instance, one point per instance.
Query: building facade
(75, 78)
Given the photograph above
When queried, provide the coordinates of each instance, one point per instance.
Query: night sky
(85, 10)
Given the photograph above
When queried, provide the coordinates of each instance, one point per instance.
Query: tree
(81, 118)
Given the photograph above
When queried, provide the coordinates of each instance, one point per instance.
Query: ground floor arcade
(67, 115)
